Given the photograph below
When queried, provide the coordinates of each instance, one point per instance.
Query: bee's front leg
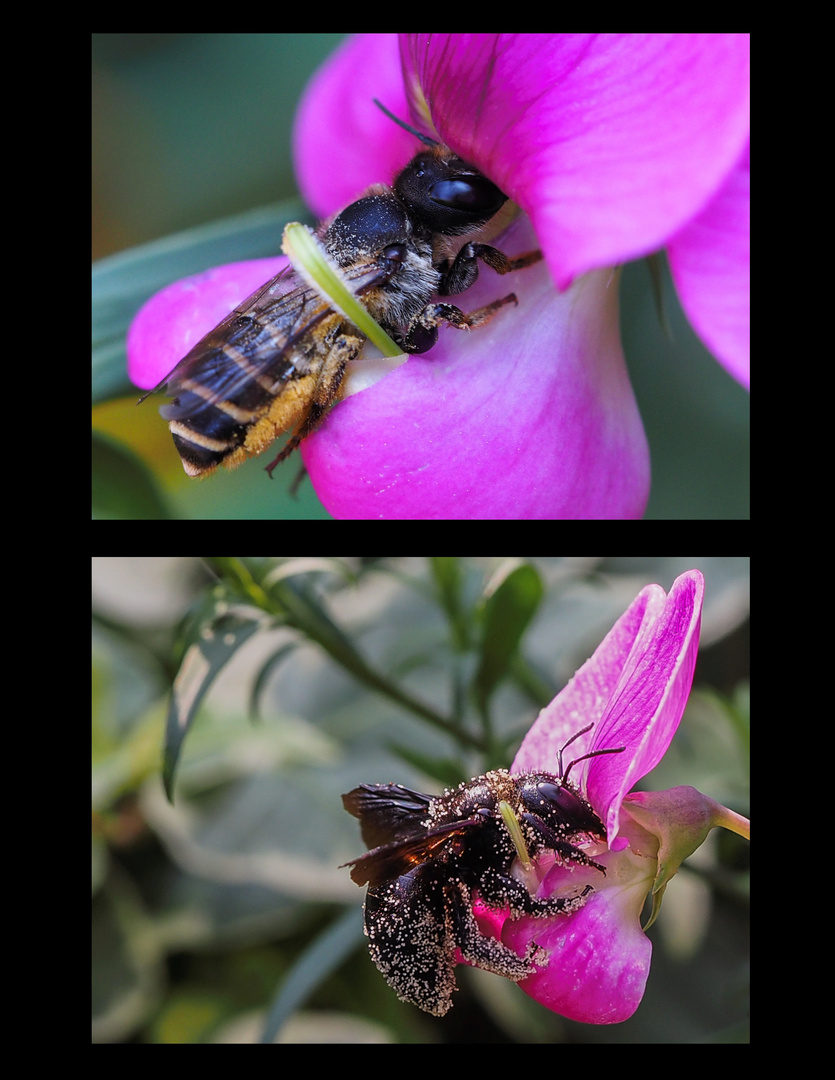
(478, 948)
(463, 271)
(422, 332)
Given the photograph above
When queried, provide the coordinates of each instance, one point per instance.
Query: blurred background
(226, 916)
(188, 128)
(191, 131)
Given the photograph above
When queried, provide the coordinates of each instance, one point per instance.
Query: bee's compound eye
(395, 252)
(475, 194)
(561, 798)
(550, 792)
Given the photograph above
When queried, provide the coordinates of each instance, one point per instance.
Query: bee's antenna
(563, 773)
(425, 139)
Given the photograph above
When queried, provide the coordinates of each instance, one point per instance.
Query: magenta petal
(530, 417)
(610, 142)
(342, 142)
(710, 262)
(173, 320)
(599, 958)
(633, 689)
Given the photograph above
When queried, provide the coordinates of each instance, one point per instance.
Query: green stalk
(305, 251)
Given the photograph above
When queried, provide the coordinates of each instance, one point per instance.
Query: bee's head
(445, 195)
(442, 192)
(559, 804)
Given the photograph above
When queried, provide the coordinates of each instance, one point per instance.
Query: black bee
(431, 856)
(277, 362)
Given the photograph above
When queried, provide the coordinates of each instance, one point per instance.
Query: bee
(277, 362)
(431, 856)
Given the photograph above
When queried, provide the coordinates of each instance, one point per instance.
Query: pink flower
(614, 146)
(633, 690)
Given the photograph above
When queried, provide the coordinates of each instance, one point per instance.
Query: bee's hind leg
(327, 391)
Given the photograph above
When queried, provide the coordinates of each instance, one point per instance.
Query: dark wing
(391, 861)
(387, 812)
(252, 342)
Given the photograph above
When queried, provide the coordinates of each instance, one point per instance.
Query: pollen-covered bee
(432, 856)
(277, 362)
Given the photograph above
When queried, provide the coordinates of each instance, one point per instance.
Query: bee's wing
(390, 861)
(252, 342)
(249, 343)
(387, 812)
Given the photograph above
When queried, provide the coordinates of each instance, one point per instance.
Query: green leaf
(274, 661)
(513, 597)
(123, 488)
(215, 632)
(313, 967)
(122, 283)
(446, 570)
(284, 589)
(295, 602)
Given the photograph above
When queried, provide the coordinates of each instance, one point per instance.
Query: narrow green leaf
(316, 964)
(216, 631)
(513, 596)
(123, 282)
(446, 570)
(296, 604)
(272, 662)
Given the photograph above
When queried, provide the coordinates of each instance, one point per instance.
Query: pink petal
(342, 142)
(633, 689)
(530, 417)
(610, 142)
(173, 320)
(710, 263)
(599, 958)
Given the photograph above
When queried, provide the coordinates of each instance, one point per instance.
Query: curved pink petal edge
(610, 142)
(342, 143)
(710, 260)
